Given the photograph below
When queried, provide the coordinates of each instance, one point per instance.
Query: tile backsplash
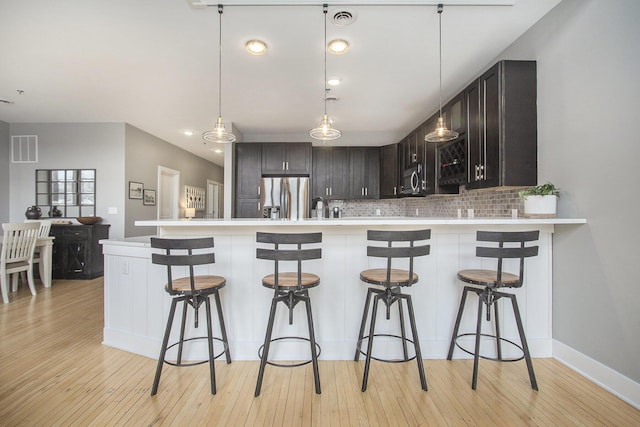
(486, 203)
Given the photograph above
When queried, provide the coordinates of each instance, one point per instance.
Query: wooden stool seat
(378, 276)
(201, 283)
(488, 278)
(289, 280)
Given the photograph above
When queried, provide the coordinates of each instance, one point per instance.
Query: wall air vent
(24, 149)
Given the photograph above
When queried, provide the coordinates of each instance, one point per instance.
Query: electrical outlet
(124, 267)
(112, 211)
(378, 212)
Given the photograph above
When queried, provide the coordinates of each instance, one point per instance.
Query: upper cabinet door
(389, 177)
(286, 159)
(248, 172)
(298, 159)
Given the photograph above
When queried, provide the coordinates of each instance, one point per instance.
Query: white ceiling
(154, 64)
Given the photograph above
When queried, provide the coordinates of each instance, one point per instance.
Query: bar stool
(392, 280)
(509, 245)
(192, 290)
(289, 288)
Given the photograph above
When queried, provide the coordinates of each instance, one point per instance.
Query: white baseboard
(612, 381)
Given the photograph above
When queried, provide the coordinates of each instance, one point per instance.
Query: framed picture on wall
(135, 190)
(149, 197)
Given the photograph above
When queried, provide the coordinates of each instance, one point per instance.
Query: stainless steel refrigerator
(285, 197)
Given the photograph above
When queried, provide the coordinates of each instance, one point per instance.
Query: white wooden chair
(18, 244)
(45, 228)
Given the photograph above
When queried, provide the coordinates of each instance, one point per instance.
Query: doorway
(168, 193)
(215, 199)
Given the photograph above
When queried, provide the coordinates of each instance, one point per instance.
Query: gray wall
(144, 153)
(97, 146)
(5, 163)
(588, 105)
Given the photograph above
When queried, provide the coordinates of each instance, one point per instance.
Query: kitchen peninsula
(136, 305)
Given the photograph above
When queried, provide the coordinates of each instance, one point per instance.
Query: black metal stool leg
(223, 328)
(312, 341)
(416, 341)
(365, 313)
(185, 305)
(402, 331)
(265, 348)
(476, 355)
(212, 366)
(496, 317)
(523, 339)
(372, 328)
(454, 335)
(163, 349)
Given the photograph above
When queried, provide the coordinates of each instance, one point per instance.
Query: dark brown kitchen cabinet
(286, 159)
(389, 176)
(454, 114)
(248, 208)
(502, 126)
(248, 172)
(77, 253)
(364, 172)
(429, 156)
(330, 173)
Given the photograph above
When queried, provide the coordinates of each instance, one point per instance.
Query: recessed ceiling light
(333, 81)
(338, 46)
(188, 132)
(256, 47)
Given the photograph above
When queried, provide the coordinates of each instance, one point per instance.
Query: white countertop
(360, 220)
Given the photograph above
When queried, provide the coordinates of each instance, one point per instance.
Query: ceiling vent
(343, 18)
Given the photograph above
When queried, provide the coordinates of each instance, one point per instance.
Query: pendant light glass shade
(325, 132)
(219, 134)
(441, 133)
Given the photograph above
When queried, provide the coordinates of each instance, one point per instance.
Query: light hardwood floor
(55, 371)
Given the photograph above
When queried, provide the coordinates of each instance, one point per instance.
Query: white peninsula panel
(136, 305)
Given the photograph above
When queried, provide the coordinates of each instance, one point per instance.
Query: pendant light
(441, 133)
(325, 132)
(219, 134)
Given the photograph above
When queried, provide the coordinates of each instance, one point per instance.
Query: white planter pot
(540, 206)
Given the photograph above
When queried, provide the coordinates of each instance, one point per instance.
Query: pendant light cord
(324, 47)
(440, 7)
(220, 61)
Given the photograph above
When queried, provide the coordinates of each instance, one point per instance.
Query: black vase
(55, 212)
(33, 212)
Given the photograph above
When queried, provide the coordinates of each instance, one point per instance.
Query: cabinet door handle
(362, 191)
(258, 190)
(366, 191)
(394, 191)
(287, 165)
(259, 207)
(326, 191)
(331, 191)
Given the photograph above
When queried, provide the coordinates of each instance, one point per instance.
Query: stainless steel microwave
(413, 180)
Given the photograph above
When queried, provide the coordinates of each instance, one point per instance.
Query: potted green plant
(540, 201)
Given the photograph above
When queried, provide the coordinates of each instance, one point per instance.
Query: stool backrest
(298, 254)
(515, 248)
(179, 253)
(390, 251)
